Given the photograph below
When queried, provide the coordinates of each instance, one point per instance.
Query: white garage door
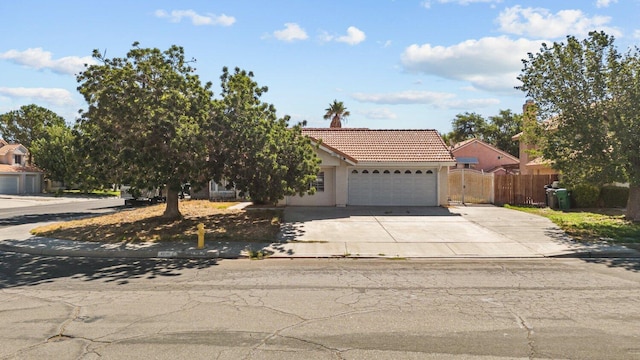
(8, 184)
(402, 187)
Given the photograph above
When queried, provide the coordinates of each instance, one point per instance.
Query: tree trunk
(172, 211)
(633, 204)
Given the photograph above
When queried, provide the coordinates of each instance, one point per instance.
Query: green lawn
(91, 192)
(590, 224)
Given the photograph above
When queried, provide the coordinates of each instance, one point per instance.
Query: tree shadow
(30, 270)
(630, 264)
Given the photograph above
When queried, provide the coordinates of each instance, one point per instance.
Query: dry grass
(146, 225)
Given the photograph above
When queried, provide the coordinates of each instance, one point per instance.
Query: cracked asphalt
(80, 308)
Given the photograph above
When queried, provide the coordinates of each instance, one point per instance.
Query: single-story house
(478, 155)
(16, 176)
(378, 168)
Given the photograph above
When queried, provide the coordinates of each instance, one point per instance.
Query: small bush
(614, 196)
(585, 195)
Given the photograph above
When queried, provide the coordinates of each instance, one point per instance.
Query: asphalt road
(43, 212)
(77, 308)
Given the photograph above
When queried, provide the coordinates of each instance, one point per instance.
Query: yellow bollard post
(201, 236)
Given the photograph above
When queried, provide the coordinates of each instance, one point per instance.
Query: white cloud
(379, 114)
(196, 19)
(605, 3)
(490, 63)
(404, 97)
(55, 96)
(39, 59)
(291, 32)
(354, 36)
(538, 22)
(438, 100)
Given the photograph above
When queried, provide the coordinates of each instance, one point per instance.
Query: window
(376, 172)
(429, 172)
(17, 159)
(397, 172)
(354, 171)
(418, 171)
(365, 171)
(386, 172)
(319, 183)
(407, 172)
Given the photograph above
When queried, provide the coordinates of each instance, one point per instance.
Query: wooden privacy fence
(521, 189)
(477, 187)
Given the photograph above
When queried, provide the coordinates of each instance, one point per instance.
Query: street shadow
(37, 218)
(29, 270)
(630, 264)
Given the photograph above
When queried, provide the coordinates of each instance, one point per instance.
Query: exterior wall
(320, 198)
(443, 186)
(488, 158)
(333, 169)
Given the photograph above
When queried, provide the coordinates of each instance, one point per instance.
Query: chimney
(528, 112)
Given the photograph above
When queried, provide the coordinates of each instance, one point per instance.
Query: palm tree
(336, 112)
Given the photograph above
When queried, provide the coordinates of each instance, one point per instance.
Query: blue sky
(399, 64)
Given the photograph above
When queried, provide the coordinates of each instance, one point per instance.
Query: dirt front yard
(145, 224)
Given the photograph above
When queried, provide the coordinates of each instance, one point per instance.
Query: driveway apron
(462, 231)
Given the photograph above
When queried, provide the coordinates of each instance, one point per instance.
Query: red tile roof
(4, 168)
(4, 150)
(370, 145)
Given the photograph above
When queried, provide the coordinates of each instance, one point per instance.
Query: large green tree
(336, 112)
(147, 121)
(55, 154)
(467, 126)
(27, 124)
(501, 128)
(587, 94)
(262, 155)
(497, 130)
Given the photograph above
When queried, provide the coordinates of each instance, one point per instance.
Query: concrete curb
(219, 250)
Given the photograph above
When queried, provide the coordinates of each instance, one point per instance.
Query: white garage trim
(386, 186)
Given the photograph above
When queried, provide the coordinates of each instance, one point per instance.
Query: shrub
(614, 196)
(585, 195)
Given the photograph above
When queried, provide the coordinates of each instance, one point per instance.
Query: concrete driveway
(460, 231)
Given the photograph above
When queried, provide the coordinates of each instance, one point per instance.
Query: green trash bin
(563, 199)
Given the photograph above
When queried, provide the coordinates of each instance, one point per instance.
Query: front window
(17, 159)
(319, 183)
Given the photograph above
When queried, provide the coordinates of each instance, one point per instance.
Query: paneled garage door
(403, 187)
(9, 184)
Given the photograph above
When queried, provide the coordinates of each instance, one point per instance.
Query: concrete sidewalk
(456, 232)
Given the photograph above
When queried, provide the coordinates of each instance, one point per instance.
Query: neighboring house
(478, 155)
(16, 176)
(531, 165)
(215, 191)
(378, 167)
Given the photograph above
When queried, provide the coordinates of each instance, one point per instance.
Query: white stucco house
(16, 176)
(378, 168)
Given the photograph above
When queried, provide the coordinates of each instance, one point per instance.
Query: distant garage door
(9, 184)
(400, 187)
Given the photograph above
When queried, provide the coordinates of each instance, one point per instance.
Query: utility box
(563, 199)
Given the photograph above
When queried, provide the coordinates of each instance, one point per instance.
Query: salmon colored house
(478, 155)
